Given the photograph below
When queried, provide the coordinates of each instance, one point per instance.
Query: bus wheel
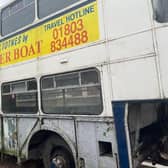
(60, 159)
(56, 154)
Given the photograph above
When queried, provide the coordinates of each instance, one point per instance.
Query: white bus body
(125, 53)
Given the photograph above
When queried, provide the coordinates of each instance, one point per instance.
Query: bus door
(142, 133)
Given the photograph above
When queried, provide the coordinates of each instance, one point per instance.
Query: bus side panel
(135, 79)
(26, 127)
(16, 133)
(126, 17)
(10, 136)
(132, 47)
(85, 57)
(93, 139)
(63, 127)
(19, 72)
(162, 42)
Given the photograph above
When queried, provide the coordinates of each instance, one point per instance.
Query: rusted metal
(21, 148)
(2, 137)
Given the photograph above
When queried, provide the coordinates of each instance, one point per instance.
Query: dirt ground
(8, 164)
(11, 163)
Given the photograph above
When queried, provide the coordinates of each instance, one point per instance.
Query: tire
(54, 149)
(30, 164)
(60, 159)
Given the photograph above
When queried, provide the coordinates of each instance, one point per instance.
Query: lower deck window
(19, 97)
(72, 93)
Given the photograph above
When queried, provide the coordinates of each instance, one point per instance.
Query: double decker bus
(84, 83)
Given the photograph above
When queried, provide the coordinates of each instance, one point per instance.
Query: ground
(11, 163)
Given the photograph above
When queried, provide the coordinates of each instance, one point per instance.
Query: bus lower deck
(148, 133)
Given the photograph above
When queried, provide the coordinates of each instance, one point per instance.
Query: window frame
(36, 16)
(24, 91)
(60, 10)
(10, 5)
(54, 89)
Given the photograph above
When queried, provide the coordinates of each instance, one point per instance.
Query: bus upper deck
(84, 82)
(40, 32)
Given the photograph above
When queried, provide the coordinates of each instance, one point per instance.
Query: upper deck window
(160, 8)
(47, 7)
(17, 15)
(20, 97)
(76, 93)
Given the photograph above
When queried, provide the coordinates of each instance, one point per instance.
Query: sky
(3, 2)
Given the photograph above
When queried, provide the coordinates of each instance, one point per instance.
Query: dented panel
(93, 138)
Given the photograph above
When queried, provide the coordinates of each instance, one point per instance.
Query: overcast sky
(3, 2)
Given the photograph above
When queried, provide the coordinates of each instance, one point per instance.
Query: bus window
(17, 15)
(77, 93)
(20, 97)
(89, 77)
(160, 8)
(6, 88)
(31, 85)
(20, 86)
(67, 80)
(46, 7)
(48, 83)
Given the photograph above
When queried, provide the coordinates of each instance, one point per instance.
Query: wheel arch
(46, 133)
